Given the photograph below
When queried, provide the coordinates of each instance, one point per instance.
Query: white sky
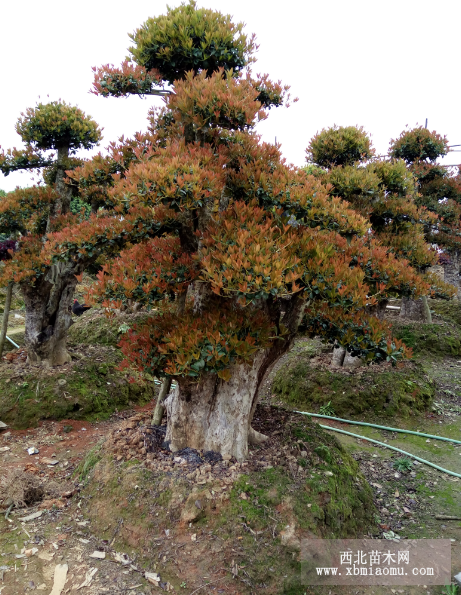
(378, 64)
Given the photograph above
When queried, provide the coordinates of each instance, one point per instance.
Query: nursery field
(106, 497)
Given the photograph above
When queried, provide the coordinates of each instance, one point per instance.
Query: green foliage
(402, 464)
(419, 144)
(394, 176)
(354, 183)
(79, 206)
(314, 170)
(440, 193)
(14, 160)
(339, 145)
(2, 193)
(57, 124)
(385, 192)
(327, 410)
(190, 38)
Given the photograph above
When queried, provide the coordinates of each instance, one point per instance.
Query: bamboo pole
(6, 313)
(426, 309)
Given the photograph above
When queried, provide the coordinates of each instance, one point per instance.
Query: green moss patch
(440, 339)
(90, 388)
(447, 310)
(306, 384)
(431, 339)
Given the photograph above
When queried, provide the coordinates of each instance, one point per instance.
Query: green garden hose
(362, 423)
(393, 448)
(11, 341)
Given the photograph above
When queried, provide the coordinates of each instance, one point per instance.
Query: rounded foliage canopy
(419, 144)
(56, 124)
(339, 145)
(190, 38)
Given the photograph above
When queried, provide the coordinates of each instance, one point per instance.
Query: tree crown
(190, 38)
(339, 145)
(57, 124)
(419, 144)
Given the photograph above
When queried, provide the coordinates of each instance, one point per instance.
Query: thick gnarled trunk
(452, 272)
(48, 316)
(215, 414)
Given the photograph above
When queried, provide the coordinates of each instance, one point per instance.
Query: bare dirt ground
(31, 550)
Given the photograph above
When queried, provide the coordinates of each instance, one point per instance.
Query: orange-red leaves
(179, 176)
(145, 272)
(130, 79)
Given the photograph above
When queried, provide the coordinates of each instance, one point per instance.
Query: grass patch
(87, 464)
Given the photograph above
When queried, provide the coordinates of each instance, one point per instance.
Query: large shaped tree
(245, 244)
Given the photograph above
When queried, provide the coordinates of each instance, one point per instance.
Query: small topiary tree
(439, 191)
(27, 215)
(385, 192)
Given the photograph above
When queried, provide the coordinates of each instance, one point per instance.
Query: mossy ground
(306, 385)
(89, 388)
(437, 340)
(242, 529)
(306, 380)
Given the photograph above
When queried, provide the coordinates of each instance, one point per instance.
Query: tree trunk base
(341, 358)
(58, 357)
(412, 309)
(255, 437)
(339, 353)
(213, 414)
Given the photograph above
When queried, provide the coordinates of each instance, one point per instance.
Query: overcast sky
(378, 64)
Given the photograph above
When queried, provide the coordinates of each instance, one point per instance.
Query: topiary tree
(245, 244)
(439, 191)
(339, 146)
(27, 215)
(386, 193)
